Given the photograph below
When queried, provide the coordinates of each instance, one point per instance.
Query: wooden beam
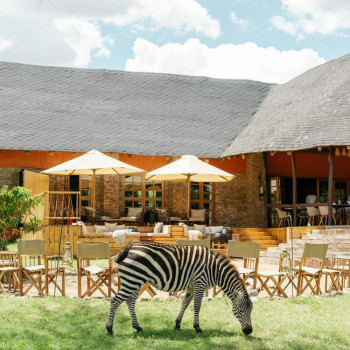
(294, 172)
(266, 193)
(330, 187)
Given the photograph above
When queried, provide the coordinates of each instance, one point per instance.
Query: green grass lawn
(65, 323)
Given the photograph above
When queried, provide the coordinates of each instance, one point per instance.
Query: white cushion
(158, 228)
(100, 228)
(167, 229)
(207, 230)
(112, 227)
(132, 212)
(83, 227)
(200, 228)
(214, 229)
(90, 229)
(119, 235)
(194, 234)
(198, 213)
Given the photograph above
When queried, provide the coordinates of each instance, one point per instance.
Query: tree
(15, 205)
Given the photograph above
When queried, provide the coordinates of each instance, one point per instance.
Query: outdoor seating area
(29, 271)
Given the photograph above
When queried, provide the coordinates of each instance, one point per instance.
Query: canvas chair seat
(243, 270)
(311, 270)
(93, 269)
(34, 268)
(6, 262)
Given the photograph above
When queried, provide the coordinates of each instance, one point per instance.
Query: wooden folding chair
(32, 264)
(96, 277)
(342, 265)
(250, 253)
(315, 255)
(9, 270)
(53, 270)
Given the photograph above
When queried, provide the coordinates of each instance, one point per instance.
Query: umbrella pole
(188, 197)
(93, 193)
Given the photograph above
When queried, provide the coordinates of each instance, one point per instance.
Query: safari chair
(96, 277)
(342, 265)
(250, 253)
(9, 271)
(34, 265)
(314, 255)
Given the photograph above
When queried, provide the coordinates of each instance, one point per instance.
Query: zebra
(173, 268)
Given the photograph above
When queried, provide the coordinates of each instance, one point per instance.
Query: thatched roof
(309, 111)
(68, 109)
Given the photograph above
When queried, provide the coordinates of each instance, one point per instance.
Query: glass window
(133, 191)
(202, 197)
(154, 194)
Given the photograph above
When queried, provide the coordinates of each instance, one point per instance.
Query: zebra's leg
(187, 300)
(118, 299)
(199, 290)
(131, 305)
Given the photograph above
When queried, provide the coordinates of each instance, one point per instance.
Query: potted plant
(15, 209)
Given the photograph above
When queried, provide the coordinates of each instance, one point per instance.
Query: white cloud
(245, 61)
(280, 23)
(242, 23)
(42, 31)
(315, 16)
(83, 37)
(4, 43)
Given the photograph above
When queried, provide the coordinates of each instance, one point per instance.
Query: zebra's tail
(123, 254)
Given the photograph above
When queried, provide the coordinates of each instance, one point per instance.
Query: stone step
(267, 246)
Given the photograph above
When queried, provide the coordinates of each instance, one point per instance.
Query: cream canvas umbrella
(93, 163)
(191, 169)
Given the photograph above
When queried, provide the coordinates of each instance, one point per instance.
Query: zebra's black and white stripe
(173, 268)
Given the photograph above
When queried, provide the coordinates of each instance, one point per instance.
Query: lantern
(285, 264)
(308, 229)
(67, 255)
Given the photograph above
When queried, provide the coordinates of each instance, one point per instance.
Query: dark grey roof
(66, 109)
(309, 111)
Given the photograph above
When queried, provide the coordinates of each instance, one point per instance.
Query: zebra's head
(242, 307)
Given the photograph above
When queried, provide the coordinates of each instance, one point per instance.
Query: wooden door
(39, 184)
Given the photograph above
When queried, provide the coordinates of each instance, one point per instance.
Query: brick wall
(237, 203)
(9, 177)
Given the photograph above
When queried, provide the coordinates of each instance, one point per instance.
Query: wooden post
(330, 187)
(294, 172)
(266, 193)
(188, 196)
(94, 192)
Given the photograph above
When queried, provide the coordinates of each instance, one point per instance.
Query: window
(133, 193)
(202, 194)
(85, 185)
(154, 194)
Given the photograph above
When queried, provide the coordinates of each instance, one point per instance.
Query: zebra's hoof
(177, 326)
(139, 329)
(198, 329)
(109, 330)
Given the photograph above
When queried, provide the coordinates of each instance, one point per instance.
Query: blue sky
(267, 40)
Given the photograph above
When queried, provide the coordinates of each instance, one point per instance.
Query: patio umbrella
(191, 169)
(93, 163)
